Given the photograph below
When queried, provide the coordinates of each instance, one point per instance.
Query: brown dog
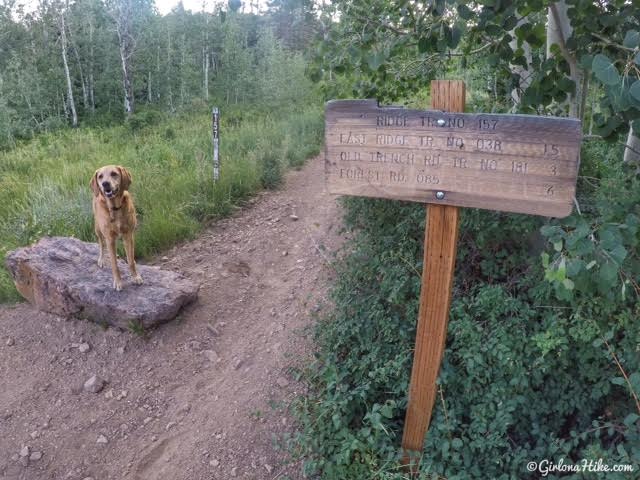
(114, 216)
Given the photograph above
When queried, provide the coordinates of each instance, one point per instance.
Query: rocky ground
(204, 397)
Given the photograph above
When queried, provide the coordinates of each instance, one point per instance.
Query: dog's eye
(114, 174)
(100, 176)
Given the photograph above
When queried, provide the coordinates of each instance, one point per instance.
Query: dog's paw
(138, 280)
(100, 262)
(117, 285)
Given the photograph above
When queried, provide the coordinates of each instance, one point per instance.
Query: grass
(44, 184)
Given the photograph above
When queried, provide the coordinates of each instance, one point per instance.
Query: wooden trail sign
(515, 163)
(447, 159)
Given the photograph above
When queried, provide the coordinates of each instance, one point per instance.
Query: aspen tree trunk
(205, 55)
(632, 150)
(183, 89)
(524, 74)
(74, 48)
(558, 32)
(71, 103)
(125, 41)
(91, 64)
(149, 96)
(158, 71)
(169, 69)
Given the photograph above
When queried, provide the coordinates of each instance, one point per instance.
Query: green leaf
(604, 70)
(375, 60)
(618, 381)
(456, 443)
(618, 253)
(465, 12)
(568, 284)
(631, 419)
(631, 39)
(634, 90)
(609, 273)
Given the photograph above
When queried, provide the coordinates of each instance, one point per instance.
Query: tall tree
(63, 43)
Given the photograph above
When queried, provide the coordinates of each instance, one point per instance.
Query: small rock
(120, 350)
(84, 347)
(213, 330)
(293, 217)
(94, 385)
(35, 456)
(15, 457)
(234, 471)
(87, 478)
(109, 393)
(25, 451)
(122, 395)
(35, 434)
(285, 253)
(165, 258)
(238, 362)
(214, 463)
(170, 425)
(211, 355)
(282, 382)
(102, 439)
(10, 342)
(268, 468)
(147, 420)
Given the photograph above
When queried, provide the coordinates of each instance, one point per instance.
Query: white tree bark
(91, 64)
(558, 32)
(205, 55)
(632, 148)
(124, 20)
(523, 73)
(70, 101)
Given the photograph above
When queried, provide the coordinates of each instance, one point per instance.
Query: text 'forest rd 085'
(517, 163)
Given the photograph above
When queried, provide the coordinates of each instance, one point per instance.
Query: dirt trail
(203, 397)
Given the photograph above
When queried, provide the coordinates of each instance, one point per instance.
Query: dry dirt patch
(203, 397)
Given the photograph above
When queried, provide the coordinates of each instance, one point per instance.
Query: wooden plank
(441, 238)
(517, 163)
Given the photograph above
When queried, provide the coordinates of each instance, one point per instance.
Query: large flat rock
(60, 275)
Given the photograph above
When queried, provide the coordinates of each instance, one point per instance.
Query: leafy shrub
(533, 367)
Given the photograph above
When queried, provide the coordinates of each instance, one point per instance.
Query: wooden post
(215, 137)
(441, 238)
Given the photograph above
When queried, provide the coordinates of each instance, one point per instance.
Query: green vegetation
(529, 370)
(44, 188)
(541, 360)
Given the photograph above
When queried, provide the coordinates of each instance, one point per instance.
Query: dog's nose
(106, 184)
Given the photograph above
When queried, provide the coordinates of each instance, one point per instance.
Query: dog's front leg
(101, 246)
(129, 249)
(117, 281)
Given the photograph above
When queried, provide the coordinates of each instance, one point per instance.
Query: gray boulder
(60, 275)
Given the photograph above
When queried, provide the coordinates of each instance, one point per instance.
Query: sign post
(447, 159)
(215, 137)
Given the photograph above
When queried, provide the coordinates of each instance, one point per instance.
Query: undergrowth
(543, 323)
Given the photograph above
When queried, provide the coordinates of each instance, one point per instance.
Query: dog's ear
(125, 178)
(94, 184)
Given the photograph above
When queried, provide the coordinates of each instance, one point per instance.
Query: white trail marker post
(447, 159)
(215, 138)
